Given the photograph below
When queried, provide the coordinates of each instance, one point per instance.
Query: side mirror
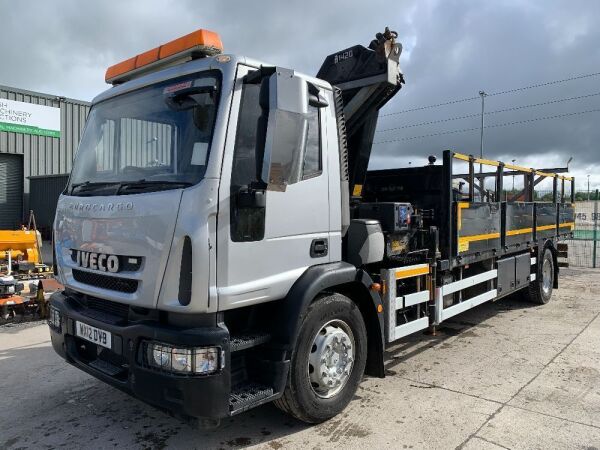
(250, 198)
(287, 129)
(316, 97)
(317, 100)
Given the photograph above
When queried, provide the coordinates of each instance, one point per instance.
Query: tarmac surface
(504, 375)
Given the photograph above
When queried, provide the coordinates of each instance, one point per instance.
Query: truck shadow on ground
(461, 325)
(74, 410)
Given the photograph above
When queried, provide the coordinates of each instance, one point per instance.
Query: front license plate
(93, 334)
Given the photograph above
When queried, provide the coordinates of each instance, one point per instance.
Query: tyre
(540, 290)
(328, 361)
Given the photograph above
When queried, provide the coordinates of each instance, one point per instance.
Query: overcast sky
(452, 50)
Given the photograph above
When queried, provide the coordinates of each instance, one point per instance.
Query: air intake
(185, 273)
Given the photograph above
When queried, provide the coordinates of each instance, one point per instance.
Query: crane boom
(367, 78)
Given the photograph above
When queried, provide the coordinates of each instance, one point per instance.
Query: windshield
(152, 139)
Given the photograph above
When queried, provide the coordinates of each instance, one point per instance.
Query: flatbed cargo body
(485, 247)
(472, 230)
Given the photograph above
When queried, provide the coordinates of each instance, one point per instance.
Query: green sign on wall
(27, 118)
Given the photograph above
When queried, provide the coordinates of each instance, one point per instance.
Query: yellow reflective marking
(462, 157)
(460, 207)
(545, 174)
(487, 162)
(478, 237)
(491, 162)
(567, 224)
(518, 231)
(357, 190)
(545, 227)
(464, 240)
(412, 271)
(520, 168)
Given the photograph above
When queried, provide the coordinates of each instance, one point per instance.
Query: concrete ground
(505, 375)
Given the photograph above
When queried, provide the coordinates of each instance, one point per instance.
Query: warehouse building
(39, 134)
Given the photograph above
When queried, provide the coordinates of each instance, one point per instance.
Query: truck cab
(166, 179)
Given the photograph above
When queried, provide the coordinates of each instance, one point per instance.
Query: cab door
(267, 239)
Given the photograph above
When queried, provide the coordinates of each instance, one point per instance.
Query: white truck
(223, 245)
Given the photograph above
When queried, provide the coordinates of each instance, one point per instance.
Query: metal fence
(584, 248)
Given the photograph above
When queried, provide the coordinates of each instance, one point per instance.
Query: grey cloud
(453, 48)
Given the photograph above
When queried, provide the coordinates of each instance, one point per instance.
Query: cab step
(248, 396)
(106, 367)
(248, 340)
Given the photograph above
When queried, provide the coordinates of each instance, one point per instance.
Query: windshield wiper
(123, 186)
(91, 185)
(144, 184)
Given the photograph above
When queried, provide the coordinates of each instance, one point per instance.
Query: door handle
(318, 248)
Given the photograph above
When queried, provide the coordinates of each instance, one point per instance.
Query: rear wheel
(540, 290)
(328, 361)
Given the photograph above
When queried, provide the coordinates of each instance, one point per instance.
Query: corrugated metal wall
(45, 155)
(148, 143)
(11, 191)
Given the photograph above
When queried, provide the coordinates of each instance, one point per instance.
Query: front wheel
(328, 361)
(540, 290)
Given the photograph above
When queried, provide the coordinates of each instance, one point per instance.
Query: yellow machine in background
(20, 250)
(23, 245)
(25, 281)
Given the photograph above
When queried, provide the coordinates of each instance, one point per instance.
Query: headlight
(160, 356)
(197, 360)
(181, 360)
(206, 360)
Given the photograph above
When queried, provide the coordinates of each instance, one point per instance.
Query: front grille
(107, 307)
(106, 281)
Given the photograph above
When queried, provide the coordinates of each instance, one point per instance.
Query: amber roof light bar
(198, 44)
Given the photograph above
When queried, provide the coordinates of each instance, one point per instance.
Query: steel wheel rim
(331, 358)
(547, 276)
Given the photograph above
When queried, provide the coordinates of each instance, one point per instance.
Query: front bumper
(198, 396)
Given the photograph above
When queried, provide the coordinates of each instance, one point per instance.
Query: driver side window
(247, 222)
(313, 165)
